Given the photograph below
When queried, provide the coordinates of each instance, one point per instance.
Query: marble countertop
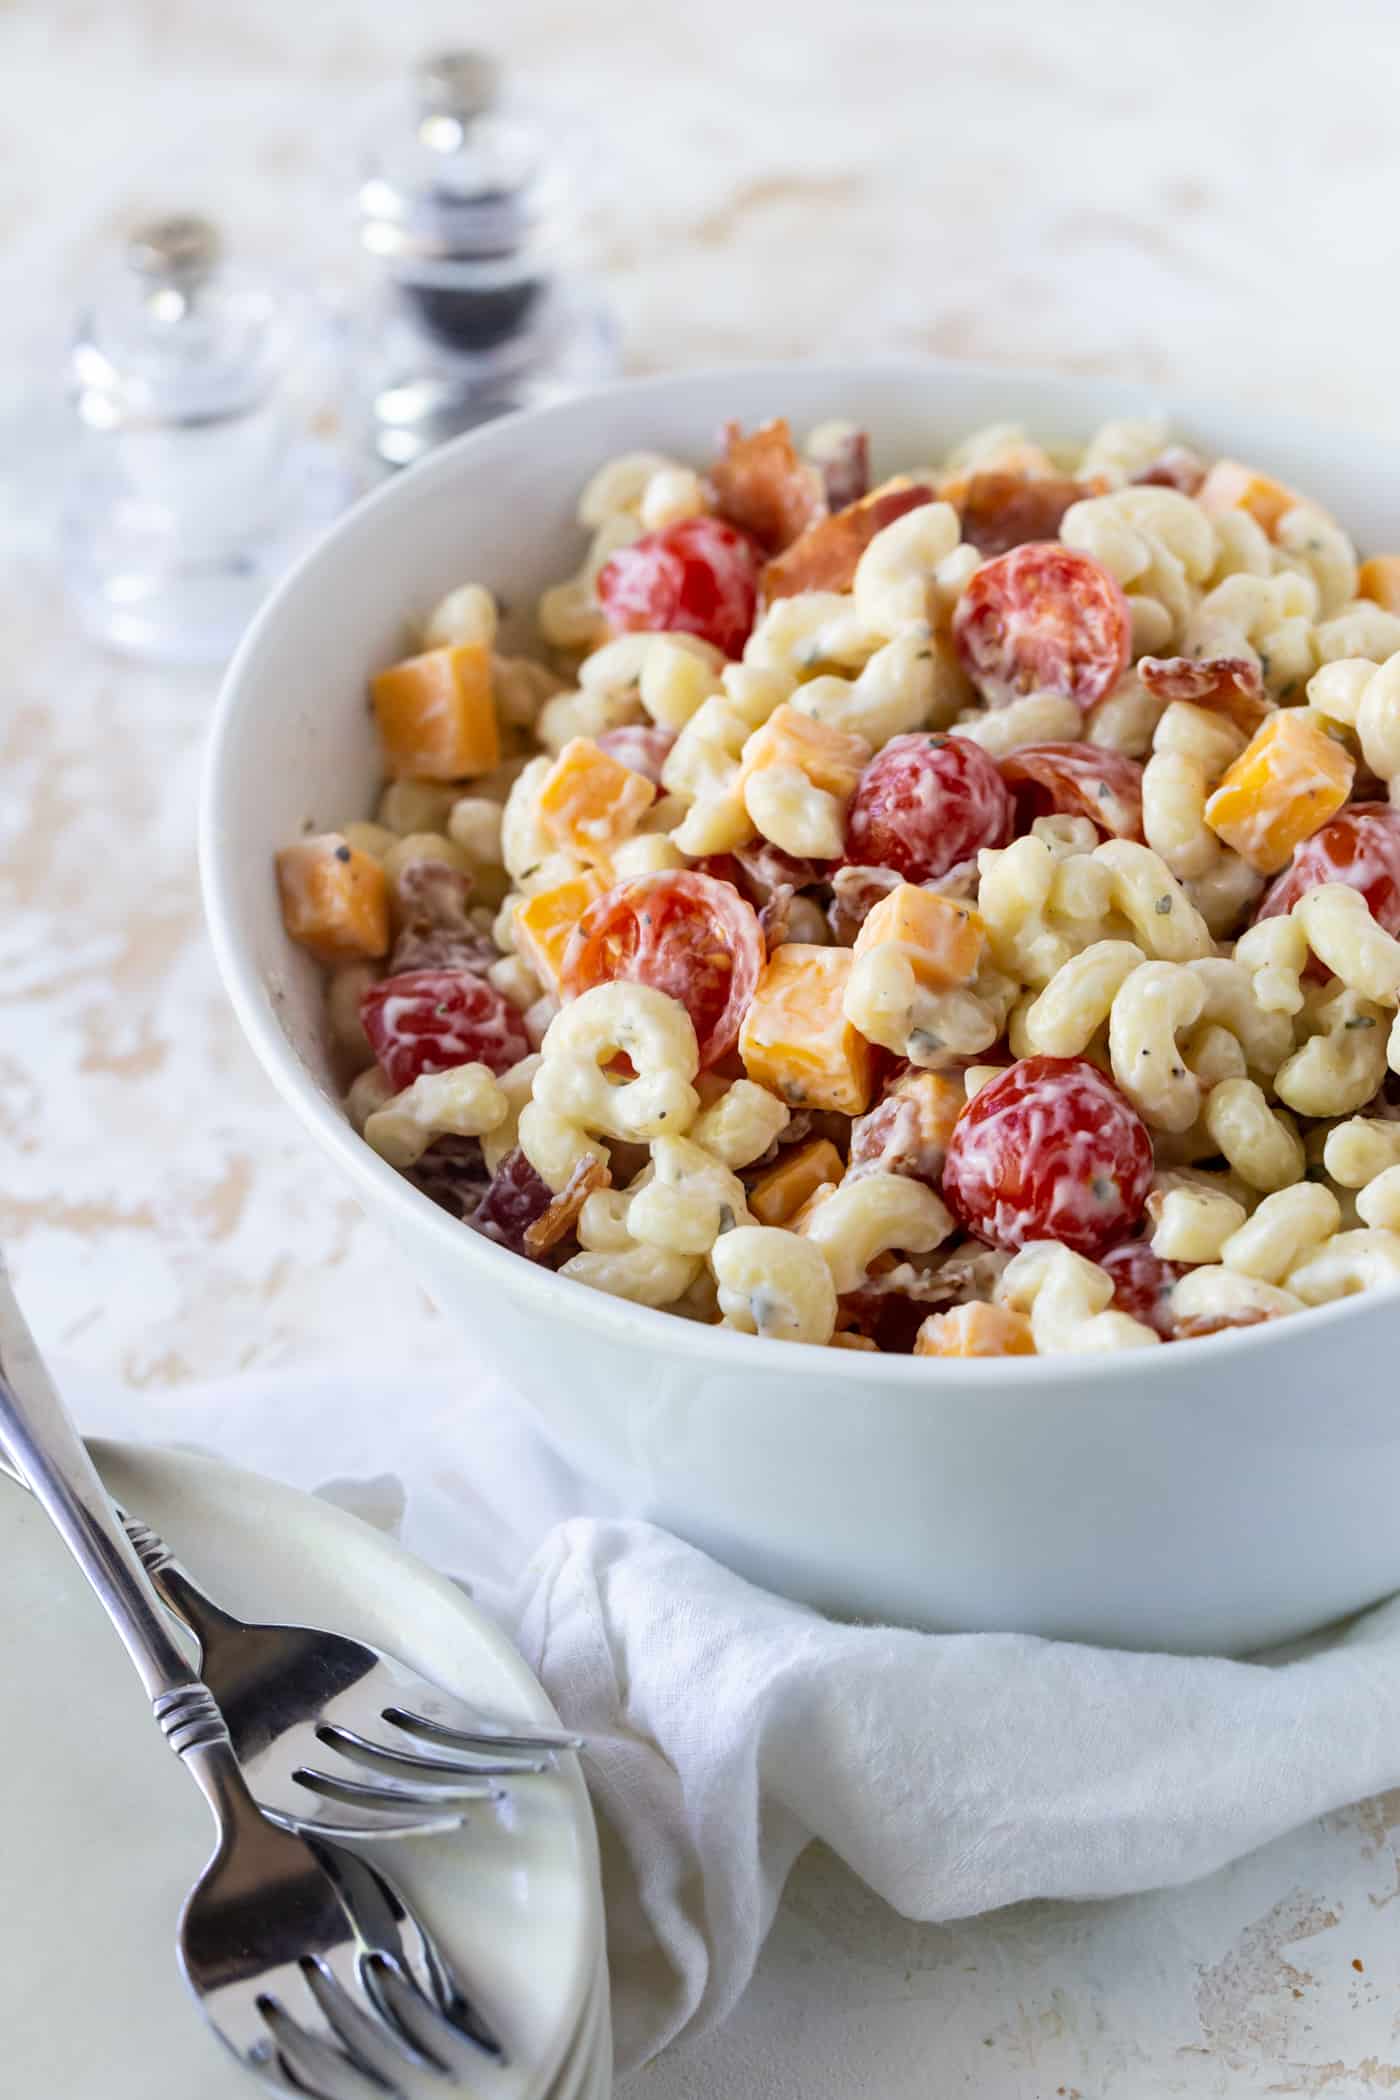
(1196, 195)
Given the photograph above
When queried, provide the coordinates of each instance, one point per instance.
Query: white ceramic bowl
(1211, 1496)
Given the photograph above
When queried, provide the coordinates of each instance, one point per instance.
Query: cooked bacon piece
(1001, 511)
(515, 1201)
(763, 487)
(1226, 685)
(1192, 1329)
(760, 870)
(453, 1173)
(775, 916)
(855, 892)
(431, 900)
(826, 556)
(1176, 468)
(845, 467)
(562, 1215)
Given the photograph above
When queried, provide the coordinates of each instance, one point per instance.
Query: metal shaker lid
(460, 174)
(172, 333)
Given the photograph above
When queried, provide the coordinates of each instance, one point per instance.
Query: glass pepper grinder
(467, 204)
(199, 469)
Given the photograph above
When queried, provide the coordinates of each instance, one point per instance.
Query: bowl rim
(381, 1185)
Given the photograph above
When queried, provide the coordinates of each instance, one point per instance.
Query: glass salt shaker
(199, 472)
(467, 204)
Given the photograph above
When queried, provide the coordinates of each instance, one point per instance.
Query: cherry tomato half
(925, 803)
(697, 577)
(687, 935)
(1050, 1150)
(431, 1020)
(1076, 780)
(1043, 618)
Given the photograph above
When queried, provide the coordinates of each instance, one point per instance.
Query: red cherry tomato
(431, 1020)
(639, 747)
(1142, 1284)
(698, 577)
(1360, 847)
(1043, 618)
(925, 803)
(1076, 780)
(682, 933)
(1049, 1151)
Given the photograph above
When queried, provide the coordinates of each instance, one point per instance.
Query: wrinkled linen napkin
(728, 1728)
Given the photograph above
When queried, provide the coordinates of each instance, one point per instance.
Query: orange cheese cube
(335, 899)
(779, 1194)
(1379, 580)
(437, 716)
(832, 759)
(589, 801)
(975, 1330)
(542, 923)
(796, 1040)
(942, 937)
(1230, 486)
(1286, 783)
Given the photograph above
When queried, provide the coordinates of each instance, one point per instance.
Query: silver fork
(329, 1731)
(268, 1937)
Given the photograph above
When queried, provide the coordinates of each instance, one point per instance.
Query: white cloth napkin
(728, 1728)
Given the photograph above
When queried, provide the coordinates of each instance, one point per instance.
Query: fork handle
(174, 1585)
(38, 1434)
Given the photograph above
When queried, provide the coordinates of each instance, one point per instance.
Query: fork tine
(389, 1793)
(316, 2065)
(337, 1821)
(479, 1734)
(378, 2044)
(401, 1999)
(381, 1757)
(405, 1969)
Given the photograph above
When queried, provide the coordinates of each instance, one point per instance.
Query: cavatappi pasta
(959, 915)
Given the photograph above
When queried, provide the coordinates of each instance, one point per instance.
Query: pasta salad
(959, 915)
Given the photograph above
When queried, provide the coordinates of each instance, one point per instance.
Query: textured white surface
(1203, 194)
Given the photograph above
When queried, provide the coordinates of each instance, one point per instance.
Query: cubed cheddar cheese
(590, 802)
(795, 1038)
(832, 759)
(1231, 486)
(975, 1330)
(1288, 781)
(542, 923)
(777, 1196)
(335, 899)
(1379, 580)
(942, 937)
(437, 714)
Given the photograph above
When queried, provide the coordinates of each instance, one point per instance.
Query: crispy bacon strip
(1001, 511)
(1226, 685)
(845, 469)
(825, 557)
(1176, 468)
(1202, 1323)
(763, 487)
(562, 1215)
